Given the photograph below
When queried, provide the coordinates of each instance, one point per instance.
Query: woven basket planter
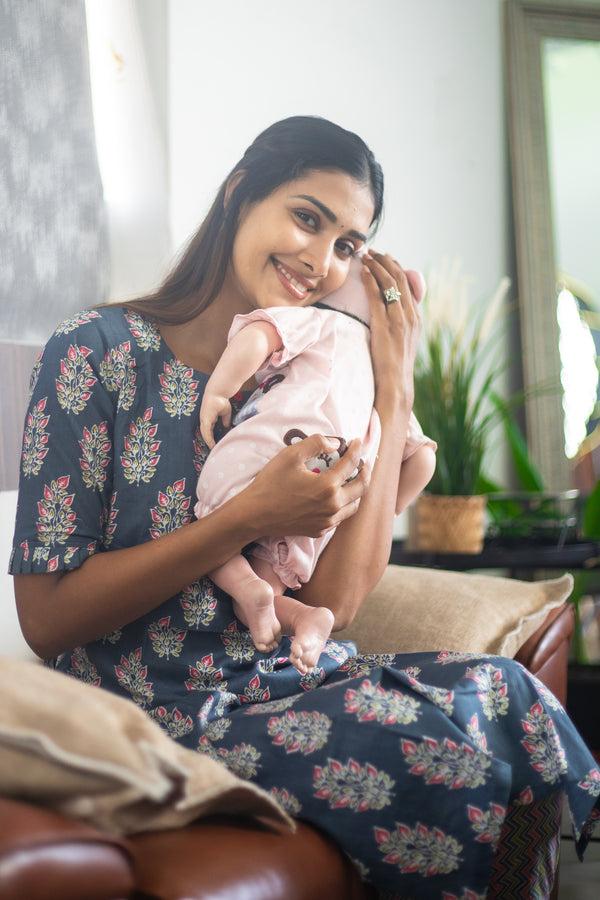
(447, 524)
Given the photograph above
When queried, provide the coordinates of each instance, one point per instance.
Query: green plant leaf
(486, 486)
(591, 514)
(528, 475)
(581, 583)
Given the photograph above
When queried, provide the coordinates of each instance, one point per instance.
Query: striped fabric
(527, 856)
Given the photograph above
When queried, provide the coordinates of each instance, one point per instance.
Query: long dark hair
(287, 150)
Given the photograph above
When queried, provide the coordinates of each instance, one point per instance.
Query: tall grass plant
(457, 374)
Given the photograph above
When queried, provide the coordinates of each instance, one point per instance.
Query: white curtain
(53, 243)
(128, 62)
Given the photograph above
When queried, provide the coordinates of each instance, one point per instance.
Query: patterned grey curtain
(53, 241)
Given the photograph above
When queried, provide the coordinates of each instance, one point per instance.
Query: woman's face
(295, 246)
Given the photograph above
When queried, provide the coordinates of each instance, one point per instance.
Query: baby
(313, 365)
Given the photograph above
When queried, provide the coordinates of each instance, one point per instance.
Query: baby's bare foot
(312, 628)
(257, 611)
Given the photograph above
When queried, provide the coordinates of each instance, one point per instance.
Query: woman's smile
(292, 281)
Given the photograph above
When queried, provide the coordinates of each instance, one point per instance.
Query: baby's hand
(213, 407)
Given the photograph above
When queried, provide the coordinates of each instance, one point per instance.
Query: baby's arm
(242, 358)
(418, 464)
(415, 474)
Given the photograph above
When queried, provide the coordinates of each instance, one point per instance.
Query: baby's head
(352, 297)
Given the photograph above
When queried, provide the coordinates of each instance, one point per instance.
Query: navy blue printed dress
(408, 761)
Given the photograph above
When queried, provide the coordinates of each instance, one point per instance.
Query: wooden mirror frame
(527, 23)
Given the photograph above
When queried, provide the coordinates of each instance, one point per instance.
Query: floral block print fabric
(409, 761)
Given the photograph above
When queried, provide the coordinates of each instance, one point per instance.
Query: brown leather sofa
(47, 856)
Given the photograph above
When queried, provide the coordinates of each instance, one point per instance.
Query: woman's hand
(395, 326)
(287, 498)
(355, 558)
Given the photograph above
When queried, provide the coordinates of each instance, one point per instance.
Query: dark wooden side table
(525, 557)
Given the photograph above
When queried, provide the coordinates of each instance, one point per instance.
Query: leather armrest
(240, 859)
(47, 855)
(545, 653)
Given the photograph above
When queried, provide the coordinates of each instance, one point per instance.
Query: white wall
(420, 80)
(12, 642)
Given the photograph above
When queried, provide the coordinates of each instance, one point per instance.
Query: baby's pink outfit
(319, 381)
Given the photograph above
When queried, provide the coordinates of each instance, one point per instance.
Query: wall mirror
(552, 58)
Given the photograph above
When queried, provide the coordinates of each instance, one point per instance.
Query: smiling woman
(394, 756)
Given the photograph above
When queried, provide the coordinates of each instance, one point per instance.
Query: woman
(108, 560)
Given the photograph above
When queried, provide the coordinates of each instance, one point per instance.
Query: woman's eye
(346, 248)
(307, 218)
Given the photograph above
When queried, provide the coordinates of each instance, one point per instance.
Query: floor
(579, 880)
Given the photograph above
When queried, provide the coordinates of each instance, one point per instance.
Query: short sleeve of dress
(415, 438)
(67, 454)
(298, 328)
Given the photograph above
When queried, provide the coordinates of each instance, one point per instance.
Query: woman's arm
(355, 558)
(62, 610)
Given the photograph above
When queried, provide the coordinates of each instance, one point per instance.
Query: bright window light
(579, 373)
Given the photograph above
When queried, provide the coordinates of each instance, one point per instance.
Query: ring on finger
(391, 295)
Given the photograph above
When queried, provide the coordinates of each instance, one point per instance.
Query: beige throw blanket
(95, 756)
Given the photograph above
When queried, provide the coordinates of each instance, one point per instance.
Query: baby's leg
(310, 625)
(252, 601)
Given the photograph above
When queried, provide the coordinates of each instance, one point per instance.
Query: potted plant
(530, 513)
(456, 375)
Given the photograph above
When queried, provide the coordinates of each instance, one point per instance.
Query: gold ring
(391, 295)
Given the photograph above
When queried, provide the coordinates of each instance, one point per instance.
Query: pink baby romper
(320, 381)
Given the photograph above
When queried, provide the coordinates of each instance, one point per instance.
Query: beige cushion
(415, 609)
(98, 757)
